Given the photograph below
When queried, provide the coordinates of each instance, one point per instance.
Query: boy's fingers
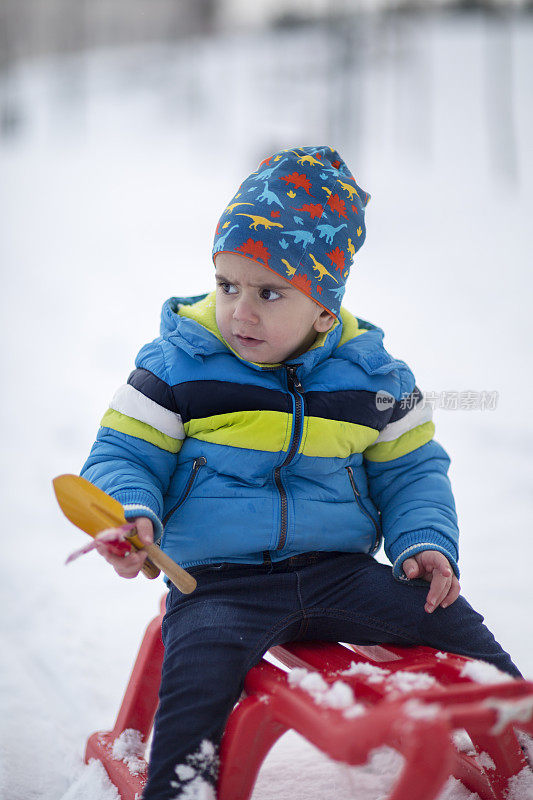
(438, 590)
(434, 561)
(410, 568)
(126, 567)
(453, 594)
(434, 567)
(131, 566)
(145, 529)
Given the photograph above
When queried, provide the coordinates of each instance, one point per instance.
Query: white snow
(311, 682)
(372, 673)
(197, 789)
(485, 761)
(195, 777)
(129, 747)
(357, 710)
(520, 786)
(418, 710)
(526, 743)
(335, 695)
(185, 772)
(507, 711)
(463, 742)
(404, 682)
(100, 197)
(400, 681)
(89, 782)
(481, 672)
(340, 695)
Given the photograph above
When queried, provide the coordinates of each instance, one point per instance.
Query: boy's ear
(324, 321)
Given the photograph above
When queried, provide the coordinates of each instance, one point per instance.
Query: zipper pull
(293, 378)
(352, 481)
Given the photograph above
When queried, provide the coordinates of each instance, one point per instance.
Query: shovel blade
(87, 506)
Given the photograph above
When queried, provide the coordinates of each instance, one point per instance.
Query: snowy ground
(109, 197)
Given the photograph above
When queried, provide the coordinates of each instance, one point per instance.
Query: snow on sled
(347, 703)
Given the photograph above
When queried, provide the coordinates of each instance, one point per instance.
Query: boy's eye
(228, 288)
(269, 294)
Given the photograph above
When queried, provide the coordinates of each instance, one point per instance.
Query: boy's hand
(433, 566)
(130, 565)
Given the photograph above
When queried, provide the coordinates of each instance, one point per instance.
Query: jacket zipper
(295, 387)
(196, 464)
(357, 494)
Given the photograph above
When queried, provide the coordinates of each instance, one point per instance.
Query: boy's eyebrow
(266, 285)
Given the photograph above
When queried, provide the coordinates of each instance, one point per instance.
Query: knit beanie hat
(301, 215)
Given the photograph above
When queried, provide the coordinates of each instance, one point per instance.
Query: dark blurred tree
(39, 27)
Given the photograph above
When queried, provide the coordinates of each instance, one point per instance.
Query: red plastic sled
(411, 699)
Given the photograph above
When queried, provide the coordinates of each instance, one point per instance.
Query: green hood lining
(204, 313)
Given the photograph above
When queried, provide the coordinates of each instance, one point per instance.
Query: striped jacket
(332, 450)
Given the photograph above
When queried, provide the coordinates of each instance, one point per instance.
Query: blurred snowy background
(125, 127)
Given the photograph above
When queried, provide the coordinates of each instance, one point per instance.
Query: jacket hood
(190, 324)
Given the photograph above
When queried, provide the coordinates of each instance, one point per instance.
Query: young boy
(272, 442)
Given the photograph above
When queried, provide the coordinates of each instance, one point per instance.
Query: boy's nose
(244, 311)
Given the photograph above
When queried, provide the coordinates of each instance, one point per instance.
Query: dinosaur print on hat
(301, 214)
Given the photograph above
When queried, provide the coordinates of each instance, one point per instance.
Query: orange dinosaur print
(354, 208)
(299, 180)
(338, 258)
(255, 249)
(337, 204)
(336, 164)
(302, 282)
(314, 209)
(265, 163)
(275, 213)
(319, 288)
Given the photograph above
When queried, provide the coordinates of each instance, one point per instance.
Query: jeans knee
(458, 625)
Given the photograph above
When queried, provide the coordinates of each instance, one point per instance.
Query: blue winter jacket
(240, 462)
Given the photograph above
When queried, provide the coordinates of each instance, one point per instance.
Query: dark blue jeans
(213, 636)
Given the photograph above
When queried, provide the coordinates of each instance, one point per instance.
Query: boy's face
(260, 315)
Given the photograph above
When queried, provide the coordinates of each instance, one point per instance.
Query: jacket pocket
(376, 522)
(197, 464)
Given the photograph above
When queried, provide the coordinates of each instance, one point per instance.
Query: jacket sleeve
(408, 481)
(140, 435)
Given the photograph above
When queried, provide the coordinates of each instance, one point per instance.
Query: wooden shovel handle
(181, 579)
(150, 570)
(92, 510)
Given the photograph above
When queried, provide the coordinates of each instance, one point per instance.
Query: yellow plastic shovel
(92, 510)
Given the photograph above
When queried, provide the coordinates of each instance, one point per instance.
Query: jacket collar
(190, 323)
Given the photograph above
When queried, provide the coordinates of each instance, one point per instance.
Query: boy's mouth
(248, 341)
